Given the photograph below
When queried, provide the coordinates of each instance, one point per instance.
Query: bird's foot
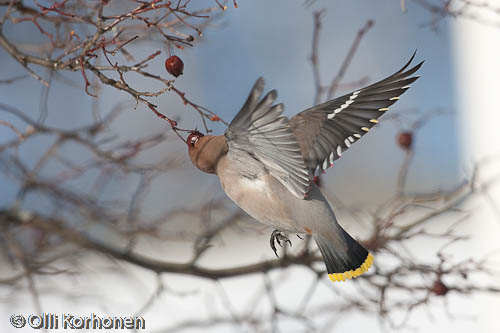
(278, 236)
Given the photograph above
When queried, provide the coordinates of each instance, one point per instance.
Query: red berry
(439, 288)
(405, 140)
(174, 65)
(193, 137)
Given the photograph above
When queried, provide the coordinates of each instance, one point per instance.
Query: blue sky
(273, 40)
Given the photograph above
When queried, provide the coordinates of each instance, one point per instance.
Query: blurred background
(101, 210)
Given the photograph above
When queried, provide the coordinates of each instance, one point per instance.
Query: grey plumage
(260, 130)
(266, 162)
(320, 136)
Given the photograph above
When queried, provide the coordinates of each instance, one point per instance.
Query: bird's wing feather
(326, 130)
(260, 130)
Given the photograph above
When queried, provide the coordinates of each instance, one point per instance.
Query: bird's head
(205, 151)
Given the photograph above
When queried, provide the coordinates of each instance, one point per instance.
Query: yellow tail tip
(353, 273)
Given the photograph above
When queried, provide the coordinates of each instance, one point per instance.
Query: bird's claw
(278, 236)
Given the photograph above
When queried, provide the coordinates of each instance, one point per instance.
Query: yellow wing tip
(334, 277)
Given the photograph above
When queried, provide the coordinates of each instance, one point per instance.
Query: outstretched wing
(326, 130)
(260, 130)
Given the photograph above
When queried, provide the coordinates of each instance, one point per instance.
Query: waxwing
(266, 163)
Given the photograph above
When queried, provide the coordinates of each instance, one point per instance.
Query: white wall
(476, 56)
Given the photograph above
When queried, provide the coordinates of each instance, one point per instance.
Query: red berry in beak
(193, 137)
(174, 65)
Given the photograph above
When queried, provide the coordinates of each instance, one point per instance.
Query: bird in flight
(266, 163)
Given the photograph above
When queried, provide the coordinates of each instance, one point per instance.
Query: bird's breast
(259, 194)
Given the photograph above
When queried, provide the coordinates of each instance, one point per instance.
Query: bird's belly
(260, 198)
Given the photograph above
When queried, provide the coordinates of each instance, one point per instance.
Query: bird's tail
(344, 257)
